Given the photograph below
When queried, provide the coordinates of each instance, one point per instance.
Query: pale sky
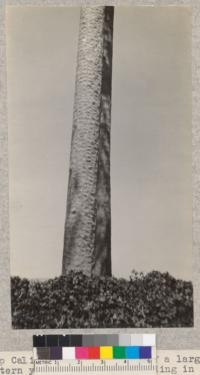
(150, 138)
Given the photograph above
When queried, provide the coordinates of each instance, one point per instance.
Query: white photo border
(167, 338)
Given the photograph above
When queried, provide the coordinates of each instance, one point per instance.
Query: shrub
(77, 301)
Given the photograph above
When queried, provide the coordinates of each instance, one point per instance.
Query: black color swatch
(38, 341)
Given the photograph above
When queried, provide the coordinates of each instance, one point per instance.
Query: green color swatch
(119, 352)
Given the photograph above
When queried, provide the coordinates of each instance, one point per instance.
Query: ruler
(94, 367)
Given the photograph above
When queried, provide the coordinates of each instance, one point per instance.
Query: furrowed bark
(82, 208)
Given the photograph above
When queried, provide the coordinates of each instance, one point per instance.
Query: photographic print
(100, 166)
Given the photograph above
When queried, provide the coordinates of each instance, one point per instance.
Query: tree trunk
(86, 204)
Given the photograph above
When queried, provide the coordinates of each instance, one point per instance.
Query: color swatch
(101, 352)
(94, 340)
(84, 347)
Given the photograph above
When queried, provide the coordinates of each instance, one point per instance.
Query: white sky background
(151, 138)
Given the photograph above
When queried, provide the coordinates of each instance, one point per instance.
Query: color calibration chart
(108, 354)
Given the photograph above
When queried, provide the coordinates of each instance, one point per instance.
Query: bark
(102, 251)
(90, 110)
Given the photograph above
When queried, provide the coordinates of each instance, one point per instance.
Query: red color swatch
(93, 352)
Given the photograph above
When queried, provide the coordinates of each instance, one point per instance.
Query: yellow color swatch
(106, 352)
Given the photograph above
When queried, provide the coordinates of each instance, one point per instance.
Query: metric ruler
(95, 367)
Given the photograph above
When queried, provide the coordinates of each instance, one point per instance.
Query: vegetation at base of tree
(78, 301)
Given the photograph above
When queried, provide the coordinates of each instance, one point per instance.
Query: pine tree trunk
(86, 203)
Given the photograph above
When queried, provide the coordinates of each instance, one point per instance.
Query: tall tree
(87, 243)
